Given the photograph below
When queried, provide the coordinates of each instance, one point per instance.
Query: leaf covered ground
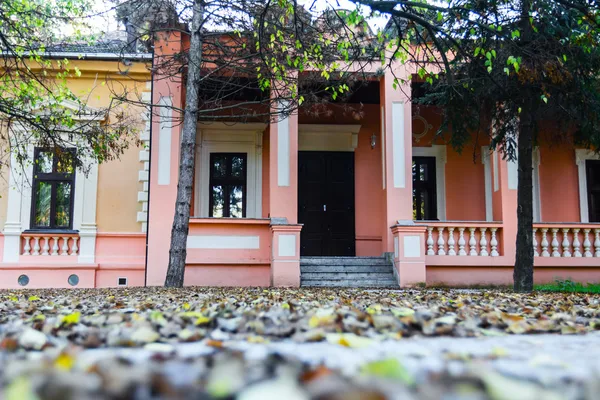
(45, 334)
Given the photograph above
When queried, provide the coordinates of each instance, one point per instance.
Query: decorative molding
(283, 152)
(317, 137)
(536, 196)
(165, 133)
(223, 242)
(426, 127)
(486, 155)
(226, 138)
(495, 169)
(398, 145)
(287, 246)
(382, 147)
(19, 208)
(581, 156)
(412, 246)
(439, 152)
(80, 112)
(144, 158)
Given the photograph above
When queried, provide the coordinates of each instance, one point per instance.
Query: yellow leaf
(202, 320)
(72, 319)
(349, 340)
(64, 361)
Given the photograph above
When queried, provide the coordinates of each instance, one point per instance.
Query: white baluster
(535, 243)
(576, 243)
(64, 250)
(46, 246)
(472, 242)
(555, 252)
(545, 252)
(483, 243)
(597, 243)
(54, 245)
(565, 243)
(74, 248)
(494, 243)
(587, 244)
(451, 242)
(440, 242)
(461, 242)
(36, 246)
(26, 246)
(430, 251)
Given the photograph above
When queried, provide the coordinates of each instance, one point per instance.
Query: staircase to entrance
(367, 272)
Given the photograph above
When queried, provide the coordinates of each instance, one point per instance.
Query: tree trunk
(181, 220)
(523, 271)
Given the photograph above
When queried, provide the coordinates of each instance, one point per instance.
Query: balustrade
(566, 241)
(49, 245)
(443, 238)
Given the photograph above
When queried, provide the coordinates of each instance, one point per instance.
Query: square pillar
(285, 254)
(409, 253)
(504, 204)
(167, 96)
(283, 167)
(396, 124)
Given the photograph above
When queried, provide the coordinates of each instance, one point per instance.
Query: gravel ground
(298, 344)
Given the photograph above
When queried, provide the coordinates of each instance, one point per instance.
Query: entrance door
(326, 203)
(593, 189)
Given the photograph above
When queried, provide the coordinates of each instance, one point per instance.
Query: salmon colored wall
(226, 275)
(228, 227)
(470, 276)
(464, 171)
(368, 186)
(559, 184)
(121, 250)
(465, 187)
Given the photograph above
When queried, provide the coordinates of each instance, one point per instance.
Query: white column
(85, 214)
(12, 226)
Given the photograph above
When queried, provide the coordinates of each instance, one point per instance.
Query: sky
(104, 21)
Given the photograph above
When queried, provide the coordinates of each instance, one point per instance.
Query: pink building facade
(365, 182)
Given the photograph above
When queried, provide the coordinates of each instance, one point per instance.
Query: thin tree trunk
(181, 220)
(523, 271)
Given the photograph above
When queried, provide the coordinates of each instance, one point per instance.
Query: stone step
(351, 283)
(344, 261)
(346, 268)
(337, 276)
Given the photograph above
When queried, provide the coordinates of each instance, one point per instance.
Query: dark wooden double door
(326, 203)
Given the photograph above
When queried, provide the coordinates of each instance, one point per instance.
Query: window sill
(51, 231)
(230, 221)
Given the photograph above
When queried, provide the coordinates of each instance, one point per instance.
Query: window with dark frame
(424, 188)
(53, 189)
(592, 174)
(228, 179)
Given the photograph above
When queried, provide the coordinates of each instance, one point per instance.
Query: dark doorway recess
(326, 203)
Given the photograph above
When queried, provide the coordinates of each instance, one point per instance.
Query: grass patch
(568, 286)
